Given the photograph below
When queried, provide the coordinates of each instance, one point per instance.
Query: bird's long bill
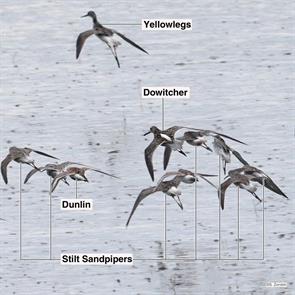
(34, 166)
(207, 175)
(182, 152)
(46, 155)
(105, 173)
(147, 133)
(84, 15)
(178, 202)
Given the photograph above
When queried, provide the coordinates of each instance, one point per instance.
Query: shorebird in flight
(105, 34)
(164, 138)
(244, 178)
(52, 170)
(199, 138)
(187, 176)
(239, 180)
(169, 187)
(225, 151)
(257, 175)
(195, 138)
(75, 173)
(20, 155)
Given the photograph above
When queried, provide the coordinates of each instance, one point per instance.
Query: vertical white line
(263, 225)
(165, 198)
(219, 208)
(76, 185)
(20, 212)
(196, 213)
(238, 223)
(50, 220)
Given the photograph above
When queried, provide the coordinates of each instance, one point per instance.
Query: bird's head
(91, 14)
(153, 130)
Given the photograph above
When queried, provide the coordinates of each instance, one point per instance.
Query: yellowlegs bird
(105, 34)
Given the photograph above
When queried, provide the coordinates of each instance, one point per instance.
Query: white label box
(76, 204)
(96, 259)
(168, 24)
(165, 92)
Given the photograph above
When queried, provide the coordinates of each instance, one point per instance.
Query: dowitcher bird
(105, 34)
(169, 187)
(225, 151)
(164, 138)
(75, 173)
(239, 180)
(52, 170)
(257, 175)
(20, 155)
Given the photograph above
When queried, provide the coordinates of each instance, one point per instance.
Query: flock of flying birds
(245, 177)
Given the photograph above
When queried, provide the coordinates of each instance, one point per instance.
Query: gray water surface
(238, 61)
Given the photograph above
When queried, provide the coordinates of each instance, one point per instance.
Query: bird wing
(129, 41)
(44, 154)
(239, 157)
(212, 133)
(172, 130)
(4, 165)
(63, 165)
(208, 175)
(168, 174)
(143, 194)
(148, 155)
(269, 183)
(96, 170)
(221, 191)
(31, 173)
(81, 40)
(167, 154)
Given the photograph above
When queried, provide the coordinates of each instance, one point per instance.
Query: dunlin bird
(257, 175)
(169, 187)
(239, 180)
(52, 170)
(105, 34)
(20, 155)
(225, 151)
(75, 173)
